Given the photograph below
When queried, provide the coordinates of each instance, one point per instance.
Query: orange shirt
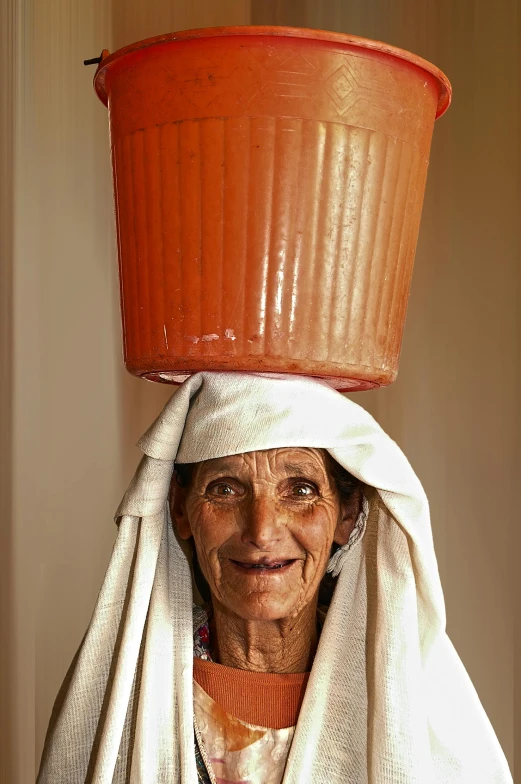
(266, 699)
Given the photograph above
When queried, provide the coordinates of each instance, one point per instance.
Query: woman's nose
(262, 522)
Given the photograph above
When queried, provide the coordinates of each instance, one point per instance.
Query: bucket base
(345, 377)
(340, 384)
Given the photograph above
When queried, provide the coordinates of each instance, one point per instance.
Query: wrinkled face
(263, 525)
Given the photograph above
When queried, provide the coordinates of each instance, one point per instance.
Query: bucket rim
(444, 85)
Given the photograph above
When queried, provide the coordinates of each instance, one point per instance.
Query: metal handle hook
(93, 61)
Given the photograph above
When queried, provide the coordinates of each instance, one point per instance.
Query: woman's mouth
(264, 566)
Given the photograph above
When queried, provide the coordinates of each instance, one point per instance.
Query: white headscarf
(388, 700)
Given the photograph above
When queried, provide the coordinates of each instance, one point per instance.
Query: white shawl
(388, 700)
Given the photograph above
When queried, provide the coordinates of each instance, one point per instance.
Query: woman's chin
(262, 606)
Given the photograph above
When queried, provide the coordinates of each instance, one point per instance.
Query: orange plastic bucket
(268, 186)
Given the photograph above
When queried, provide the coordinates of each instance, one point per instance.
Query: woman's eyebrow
(301, 469)
(222, 468)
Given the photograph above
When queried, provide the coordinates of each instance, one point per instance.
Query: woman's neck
(282, 646)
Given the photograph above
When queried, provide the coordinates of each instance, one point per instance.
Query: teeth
(273, 566)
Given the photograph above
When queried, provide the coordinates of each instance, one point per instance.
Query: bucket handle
(97, 60)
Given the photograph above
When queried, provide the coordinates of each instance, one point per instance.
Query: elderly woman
(264, 525)
(320, 654)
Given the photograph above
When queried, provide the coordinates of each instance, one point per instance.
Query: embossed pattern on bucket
(268, 199)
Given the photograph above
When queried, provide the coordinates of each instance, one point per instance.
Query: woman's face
(263, 525)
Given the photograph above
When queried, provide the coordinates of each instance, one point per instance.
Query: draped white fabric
(388, 700)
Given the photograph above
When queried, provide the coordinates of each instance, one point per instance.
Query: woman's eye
(304, 490)
(221, 489)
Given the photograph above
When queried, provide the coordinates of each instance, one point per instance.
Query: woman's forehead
(288, 460)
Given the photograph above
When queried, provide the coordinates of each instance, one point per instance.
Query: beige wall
(8, 51)
(74, 414)
(65, 380)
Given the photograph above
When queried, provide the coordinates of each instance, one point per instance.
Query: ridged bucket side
(284, 242)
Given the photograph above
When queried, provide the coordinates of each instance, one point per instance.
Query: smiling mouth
(272, 566)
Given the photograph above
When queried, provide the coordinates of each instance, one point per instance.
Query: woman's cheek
(206, 528)
(212, 526)
(315, 533)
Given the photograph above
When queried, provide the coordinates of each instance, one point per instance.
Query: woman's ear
(177, 501)
(349, 512)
